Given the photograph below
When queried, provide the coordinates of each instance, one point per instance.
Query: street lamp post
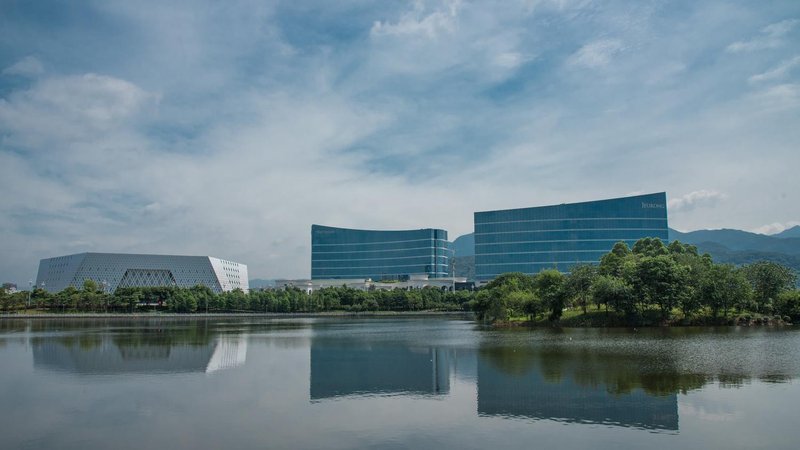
(30, 289)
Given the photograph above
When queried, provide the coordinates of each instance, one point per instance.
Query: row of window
(550, 246)
(439, 243)
(329, 235)
(651, 205)
(521, 258)
(485, 273)
(538, 236)
(387, 254)
(585, 224)
(382, 262)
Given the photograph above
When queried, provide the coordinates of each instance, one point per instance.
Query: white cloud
(780, 97)
(71, 107)
(696, 199)
(596, 54)
(28, 66)
(417, 23)
(775, 228)
(772, 36)
(776, 73)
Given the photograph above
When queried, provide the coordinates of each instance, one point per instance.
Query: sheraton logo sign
(646, 205)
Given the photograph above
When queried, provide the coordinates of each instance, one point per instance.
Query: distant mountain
(793, 232)
(465, 266)
(737, 240)
(464, 245)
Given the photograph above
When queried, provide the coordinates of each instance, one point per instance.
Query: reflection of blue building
(530, 395)
(357, 369)
(341, 253)
(529, 240)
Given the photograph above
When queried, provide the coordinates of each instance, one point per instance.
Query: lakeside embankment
(160, 315)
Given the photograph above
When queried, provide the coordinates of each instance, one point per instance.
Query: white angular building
(114, 270)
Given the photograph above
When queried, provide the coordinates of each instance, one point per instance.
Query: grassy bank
(576, 318)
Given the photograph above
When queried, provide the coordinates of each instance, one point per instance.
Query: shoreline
(158, 315)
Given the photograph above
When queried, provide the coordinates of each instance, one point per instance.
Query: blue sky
(228, 128)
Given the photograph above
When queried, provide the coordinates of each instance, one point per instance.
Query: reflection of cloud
(702, 412)
(771, 37)
(696, 199)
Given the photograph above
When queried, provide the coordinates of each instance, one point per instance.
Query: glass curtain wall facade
(341, 253)
(529, 240)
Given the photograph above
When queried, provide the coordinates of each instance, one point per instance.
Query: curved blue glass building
(531, 239)
(342, 253)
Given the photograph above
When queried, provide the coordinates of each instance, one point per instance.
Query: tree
(504, 297)
(550, 289)
(788, 304)
(722, 288)
(661, 281)
(183, 302)
(612, 262)
(203, 295)
(579, 283)
(768, 279)
(649, 247)
(614, 292)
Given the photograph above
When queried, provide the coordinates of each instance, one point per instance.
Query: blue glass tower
(341, 253)
(531, 239)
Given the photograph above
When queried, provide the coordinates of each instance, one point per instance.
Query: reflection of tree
(511, 360)
(620, 371)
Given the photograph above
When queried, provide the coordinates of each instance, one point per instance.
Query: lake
(392, 383)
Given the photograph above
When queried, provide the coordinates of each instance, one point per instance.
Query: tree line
(91, 298)
(649, 283)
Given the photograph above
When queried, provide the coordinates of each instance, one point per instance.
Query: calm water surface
(392, 383)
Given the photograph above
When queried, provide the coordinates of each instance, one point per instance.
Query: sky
(228, 128)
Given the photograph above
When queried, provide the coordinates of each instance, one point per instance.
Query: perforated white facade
(129, 270)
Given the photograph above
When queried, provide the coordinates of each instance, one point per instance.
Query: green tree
(650, 247)
(768, 280)
(724, 287)
(182, 302)
(614, 292)
(550, 289)
(788, 304)
(660, 281)
(579, 284)
(612, 262)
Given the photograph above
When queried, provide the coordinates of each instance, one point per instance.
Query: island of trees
(649, 284)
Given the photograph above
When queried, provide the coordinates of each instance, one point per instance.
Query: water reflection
(137, 347)
(519, 383)
(361, 368)
(449, 373)
(623, 377)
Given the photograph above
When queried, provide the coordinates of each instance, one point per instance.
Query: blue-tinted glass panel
(532, 239)
(346, 253)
